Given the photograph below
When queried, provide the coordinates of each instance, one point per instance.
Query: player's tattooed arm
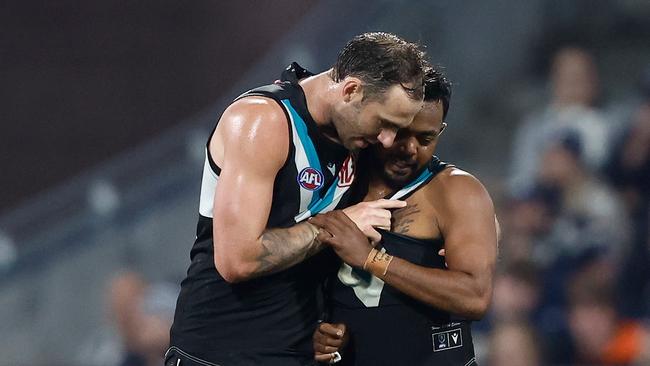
(282, 248)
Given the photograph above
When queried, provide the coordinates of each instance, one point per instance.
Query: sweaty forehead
(397, 107)
(428, 118)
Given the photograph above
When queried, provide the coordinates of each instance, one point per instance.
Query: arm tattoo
(402, 219)
(282, 248)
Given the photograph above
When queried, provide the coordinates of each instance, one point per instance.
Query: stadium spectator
(629, 172)
(516, 293)
(143, 313)
(528, 221)
(591, 216)
(600, 335)
(574, 92)
(514, 344)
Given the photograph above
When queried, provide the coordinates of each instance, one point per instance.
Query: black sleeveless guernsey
(268, 320)
(388, 327)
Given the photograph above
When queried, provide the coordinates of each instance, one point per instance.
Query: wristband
(371, 256)
(377, 263)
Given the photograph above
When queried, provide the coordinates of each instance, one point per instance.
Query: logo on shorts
(449, 339)
(310, 179)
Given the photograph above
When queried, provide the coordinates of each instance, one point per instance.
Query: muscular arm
(251, 145)
(466, 220)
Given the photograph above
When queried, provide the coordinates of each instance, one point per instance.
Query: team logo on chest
(346, 174)
(310, 179)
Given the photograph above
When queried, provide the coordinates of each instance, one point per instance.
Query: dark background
(82, 81)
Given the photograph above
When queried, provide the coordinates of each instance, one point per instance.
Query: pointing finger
(384, 203)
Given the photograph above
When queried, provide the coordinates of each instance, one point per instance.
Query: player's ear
(352, 89)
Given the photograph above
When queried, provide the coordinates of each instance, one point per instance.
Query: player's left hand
(329, 338)
(343, 235)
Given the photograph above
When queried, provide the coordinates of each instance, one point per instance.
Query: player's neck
(317, 91)
(378, 188)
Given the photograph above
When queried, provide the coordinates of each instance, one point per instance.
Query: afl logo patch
(310, 179)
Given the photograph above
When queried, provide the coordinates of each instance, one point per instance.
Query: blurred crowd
(141, 312)
(573, 281)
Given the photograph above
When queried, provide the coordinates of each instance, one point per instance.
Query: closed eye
(388, 125)
(426, 139)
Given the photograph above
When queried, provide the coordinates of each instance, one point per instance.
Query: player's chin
(400, 169)
(356, 144)
(398, 176)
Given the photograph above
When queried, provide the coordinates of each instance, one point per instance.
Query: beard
(397, 171)
(347, 126)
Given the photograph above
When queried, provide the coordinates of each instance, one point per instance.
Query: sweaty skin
(454, 206)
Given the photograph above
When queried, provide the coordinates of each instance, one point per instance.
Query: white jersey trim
(208, 187)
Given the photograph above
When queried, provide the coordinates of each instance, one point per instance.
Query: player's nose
(386, 137)
(410, 145)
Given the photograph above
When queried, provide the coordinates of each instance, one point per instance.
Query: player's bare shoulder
(252, 125)
(456, 189)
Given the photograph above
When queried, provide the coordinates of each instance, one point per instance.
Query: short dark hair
(437, 88)
(382, 60)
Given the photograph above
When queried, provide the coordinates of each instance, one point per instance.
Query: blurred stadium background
(106, 106)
